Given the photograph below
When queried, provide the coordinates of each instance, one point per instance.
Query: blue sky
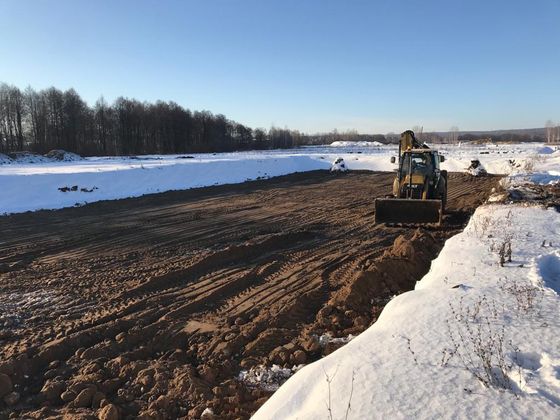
(373, 66)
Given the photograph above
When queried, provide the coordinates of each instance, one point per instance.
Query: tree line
(40, 121)
(552, 132)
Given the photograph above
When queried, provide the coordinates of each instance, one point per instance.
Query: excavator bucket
(398, 210)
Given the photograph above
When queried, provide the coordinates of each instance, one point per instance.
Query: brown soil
(151, 306)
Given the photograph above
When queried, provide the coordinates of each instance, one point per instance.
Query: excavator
(419, 189)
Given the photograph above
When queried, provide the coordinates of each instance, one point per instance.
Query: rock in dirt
(111, 385)
(85, 397)
(51, 391)
(6, 385)
(109, 412)
(299, 357)
(68, 396)
(97, 398)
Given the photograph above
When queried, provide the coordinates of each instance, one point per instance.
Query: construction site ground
(152, 306)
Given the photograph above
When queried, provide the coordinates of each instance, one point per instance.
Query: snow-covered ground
(32, 185)
(479, 337)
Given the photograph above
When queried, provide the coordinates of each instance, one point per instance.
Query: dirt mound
(154, 307)
(394, 272)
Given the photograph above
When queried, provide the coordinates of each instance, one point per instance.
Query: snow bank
(419, 360)
(28, 158)
(33, 188)
(542, 170)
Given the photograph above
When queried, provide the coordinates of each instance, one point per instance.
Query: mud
(152, 306)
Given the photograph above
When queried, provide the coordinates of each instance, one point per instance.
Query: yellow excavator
(419, 189)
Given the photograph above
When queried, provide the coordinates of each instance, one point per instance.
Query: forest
(40, 121)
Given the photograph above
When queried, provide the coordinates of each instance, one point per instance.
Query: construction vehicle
(419, 189)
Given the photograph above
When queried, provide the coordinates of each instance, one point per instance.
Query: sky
(373, 66)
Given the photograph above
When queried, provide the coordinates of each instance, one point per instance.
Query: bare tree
(418, 131)
(454, 134)
(549, 128)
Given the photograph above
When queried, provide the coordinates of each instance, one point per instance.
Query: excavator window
(417, 162)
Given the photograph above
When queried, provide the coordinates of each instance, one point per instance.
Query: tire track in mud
(156, 303)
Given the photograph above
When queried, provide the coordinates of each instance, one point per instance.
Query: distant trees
(11, 117)
(392, 137)
(419, 132)
(454, 134)
(552, 132)
(49, 119)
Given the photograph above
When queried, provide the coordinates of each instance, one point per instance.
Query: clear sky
(313, 65)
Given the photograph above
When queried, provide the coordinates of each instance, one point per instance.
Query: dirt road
(152, 306)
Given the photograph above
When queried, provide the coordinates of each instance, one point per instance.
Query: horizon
(312, 67)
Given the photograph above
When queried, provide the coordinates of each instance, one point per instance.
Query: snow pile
(28, 158)
(4, 159)
(537, 169)
(478, 338)
(63, 156)
(266, 378)
(339, 165)
(356, 144)
(476, 168)
(328, 339)
(541, 178)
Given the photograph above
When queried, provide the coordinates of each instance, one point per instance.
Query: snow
(266, 378)
(33, 187)
(545, 150)
(548, 268)
(356, 144)
(339, 165)
(63, 155)
(477, 338)
(4, 159)
(327, 338)
(28, 158)
(34, 182)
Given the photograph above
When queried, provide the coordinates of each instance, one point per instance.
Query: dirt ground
(152, 306)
